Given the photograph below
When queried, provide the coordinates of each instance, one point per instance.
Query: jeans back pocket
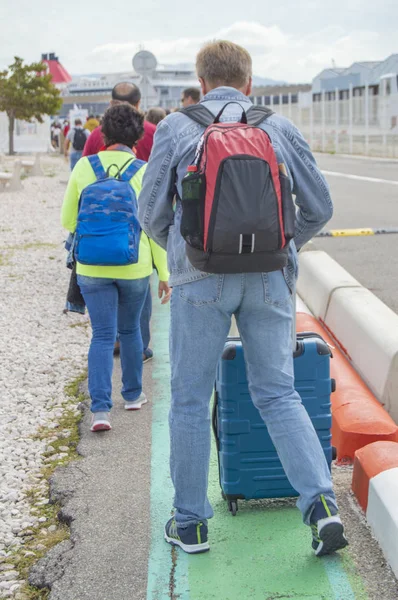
(276, 290)
(207, 290)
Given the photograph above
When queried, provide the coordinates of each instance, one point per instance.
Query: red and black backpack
(238, 211)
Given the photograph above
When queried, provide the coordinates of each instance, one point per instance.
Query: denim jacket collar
(225, 93)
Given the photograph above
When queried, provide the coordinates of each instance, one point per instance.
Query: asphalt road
(359, 203)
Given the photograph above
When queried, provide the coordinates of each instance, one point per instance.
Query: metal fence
(341, 121)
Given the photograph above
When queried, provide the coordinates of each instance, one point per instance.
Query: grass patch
(4, 259)
(30, 246)
(79, 324)
(40, 534)
(15, 277)
(32, 593)
(72, 389)
(6, 252)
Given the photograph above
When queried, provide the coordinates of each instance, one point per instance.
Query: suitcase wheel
(334, 452)
(233, 507)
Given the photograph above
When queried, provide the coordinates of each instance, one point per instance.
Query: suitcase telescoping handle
(294, 335)
(214, 420)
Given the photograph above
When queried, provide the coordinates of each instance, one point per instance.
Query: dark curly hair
(122, 124)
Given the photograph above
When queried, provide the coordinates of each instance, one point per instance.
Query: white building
(160, 87)
(376, 79)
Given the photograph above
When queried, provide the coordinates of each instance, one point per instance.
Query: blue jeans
(200, 320)
(114, 305)
(146, 320)
(74, 156)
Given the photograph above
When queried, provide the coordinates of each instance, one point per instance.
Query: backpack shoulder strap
(257, 114)
(132, 169)
(97, 166)
(199, 113)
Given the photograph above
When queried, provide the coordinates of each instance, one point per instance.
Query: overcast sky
(288, 40)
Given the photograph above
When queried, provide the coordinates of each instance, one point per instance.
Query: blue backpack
(108, 231)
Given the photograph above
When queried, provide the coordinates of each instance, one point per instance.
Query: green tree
(26, 92)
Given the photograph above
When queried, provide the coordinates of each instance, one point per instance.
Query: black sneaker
(147, 355)
(192, 539)
(327, 528)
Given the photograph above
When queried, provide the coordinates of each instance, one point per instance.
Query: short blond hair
(224, 63)
(155, 115)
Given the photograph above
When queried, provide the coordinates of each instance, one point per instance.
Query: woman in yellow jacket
(115, 295)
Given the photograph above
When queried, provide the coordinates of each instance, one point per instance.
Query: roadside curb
(358, 418)
(375, 485)
(364, 327)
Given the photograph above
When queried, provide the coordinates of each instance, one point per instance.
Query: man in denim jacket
(202, 306)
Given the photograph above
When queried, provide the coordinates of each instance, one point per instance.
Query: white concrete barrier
(364, 326)
(382, 513)
(368, 331)
(233, 332)
(301, 307)
(319, 277)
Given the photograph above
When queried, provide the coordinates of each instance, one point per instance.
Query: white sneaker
(136, 404)
(100, 422)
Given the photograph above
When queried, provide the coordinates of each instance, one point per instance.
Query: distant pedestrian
(190, 96)
(66, 128)
(127, 93)
(56, 134)
(155, 115)
(91, 123)
(114, 294)
(75, 141)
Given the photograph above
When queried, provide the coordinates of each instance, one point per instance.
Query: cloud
(258, 39)
(276, 53)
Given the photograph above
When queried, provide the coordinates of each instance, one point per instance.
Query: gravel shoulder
(42, 350)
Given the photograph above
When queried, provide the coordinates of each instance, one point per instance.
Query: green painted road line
(167, 569)
(338, 579)
(264, 553)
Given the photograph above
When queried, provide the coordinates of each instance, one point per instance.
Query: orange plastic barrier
(358, 418)
(369, 462)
